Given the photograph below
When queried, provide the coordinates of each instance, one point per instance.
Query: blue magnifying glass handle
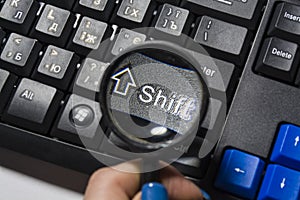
(154, 191)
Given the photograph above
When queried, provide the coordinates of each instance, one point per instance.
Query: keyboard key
(190, 164)
(280, 183)
(174, 2)
(221, 35)
(286, 21)
(89, 78)
(113, 139)
(212, 114)
(133, 10)
(54, 26)
(53, 20)
(237, 176)
(20, 54)
(287, 147)
(242, 12)
(216, 73)
(17, 49)
(79, 122)
(57, 67)
(244, 9)
(33, 106)
(18, 15)
(7, 81)
(61, 57)
(112, 145)
(95, 4)
(127, 38)
(172, 24)
(134, 13)
(3, 78)
(278, 59)
(172, 19)
(97, 9)
(89, 35)
(297, 81)
(66, 4)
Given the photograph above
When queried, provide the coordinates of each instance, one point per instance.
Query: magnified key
(152, 101)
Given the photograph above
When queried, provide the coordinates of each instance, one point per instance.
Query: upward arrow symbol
(282, 184)
(297, 140)
(124, 80)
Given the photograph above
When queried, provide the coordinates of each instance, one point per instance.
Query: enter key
(216, 73)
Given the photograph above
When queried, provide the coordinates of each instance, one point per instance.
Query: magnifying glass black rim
(169, 48)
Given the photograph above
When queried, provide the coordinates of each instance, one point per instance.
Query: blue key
(280, 183)
(287, 148)
(240, 174)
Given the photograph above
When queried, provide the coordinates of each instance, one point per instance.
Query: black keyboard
(54, 54)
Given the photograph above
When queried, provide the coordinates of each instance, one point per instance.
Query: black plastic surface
(51, 150)
(259, 106)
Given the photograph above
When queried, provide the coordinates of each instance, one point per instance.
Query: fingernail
(205, 195)
(154, 191)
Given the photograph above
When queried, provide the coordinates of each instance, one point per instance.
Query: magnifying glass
(154, 99)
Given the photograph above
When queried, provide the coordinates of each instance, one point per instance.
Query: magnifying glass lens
(153, 98)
